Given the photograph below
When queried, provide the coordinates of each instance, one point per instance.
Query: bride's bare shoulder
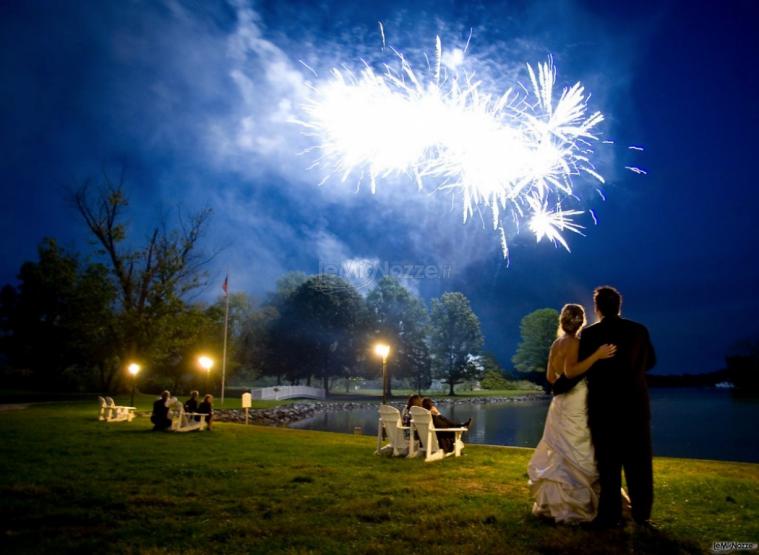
(563, 342)
(559, 343)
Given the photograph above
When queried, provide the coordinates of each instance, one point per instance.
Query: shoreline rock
(284, 415)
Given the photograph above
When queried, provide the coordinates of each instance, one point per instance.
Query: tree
(493, 376)
(285, 287)
(743, 366)
(538, 330)
(321, 329)
(254, 344)
(455, 339)
(420, 363)
(192, 329)
(151, 280)
(241, 311)
(400, 319)
(58, 323)
(181, 334)
(246, 344)
(95, 329)
(267, 336)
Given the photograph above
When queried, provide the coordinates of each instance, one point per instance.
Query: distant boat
(724, 385)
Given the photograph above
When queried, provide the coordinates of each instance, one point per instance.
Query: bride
(563, 477)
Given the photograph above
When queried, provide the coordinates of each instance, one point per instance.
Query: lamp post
(206, 363)
(382, 350)
(133, 369)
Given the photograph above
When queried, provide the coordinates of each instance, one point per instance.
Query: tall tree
(285, 287)
(58, 323)
(181, 334)
(96, 329)
(244, 322)
(152, 280)
(400, 319)
(267, 336)
(254, 344)
(321, 329)
(538, 330)
(39, 320)
(420, 363)
(455, 339)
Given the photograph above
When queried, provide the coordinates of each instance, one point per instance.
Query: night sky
(194, 100)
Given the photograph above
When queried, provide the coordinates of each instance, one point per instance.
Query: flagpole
(226, 328)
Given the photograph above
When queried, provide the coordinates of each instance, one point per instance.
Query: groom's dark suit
(619, 415)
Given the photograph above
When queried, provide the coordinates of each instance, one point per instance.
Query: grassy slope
(70, 483)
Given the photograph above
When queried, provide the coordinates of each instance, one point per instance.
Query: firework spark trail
(515, 153)
(382, 33)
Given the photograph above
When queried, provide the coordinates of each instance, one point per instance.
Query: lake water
(692, 423)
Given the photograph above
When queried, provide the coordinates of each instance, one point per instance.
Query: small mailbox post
(247, 402)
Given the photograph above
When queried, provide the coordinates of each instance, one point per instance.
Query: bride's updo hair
(571, 319)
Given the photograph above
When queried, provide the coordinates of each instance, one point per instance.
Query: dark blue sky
(193, 100)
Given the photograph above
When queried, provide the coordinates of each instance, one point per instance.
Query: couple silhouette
(599, 421)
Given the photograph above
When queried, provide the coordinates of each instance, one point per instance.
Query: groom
(619, 416)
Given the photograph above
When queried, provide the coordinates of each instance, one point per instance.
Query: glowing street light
(133, 369)
(382, 350)
(205, 363)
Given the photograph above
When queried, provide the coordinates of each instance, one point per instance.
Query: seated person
(445, 440)
(413, 401)
(206, 407)
(160, 417)
(192, 404)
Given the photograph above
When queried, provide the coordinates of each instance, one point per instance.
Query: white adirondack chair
(105, 410)
(120, 413)
(111, 412)
(421, 421)
(390, 421)
(182, 421)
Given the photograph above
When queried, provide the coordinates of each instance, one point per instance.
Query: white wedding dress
(563, 476)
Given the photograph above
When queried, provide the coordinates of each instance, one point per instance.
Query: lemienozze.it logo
(728, 547)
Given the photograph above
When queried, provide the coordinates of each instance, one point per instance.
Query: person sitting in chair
(413, 401)
(192, 404)
(160, 417)
(206, 407)
(445, 440)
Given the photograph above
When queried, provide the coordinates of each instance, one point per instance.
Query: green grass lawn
(69, 483)
(143, 401)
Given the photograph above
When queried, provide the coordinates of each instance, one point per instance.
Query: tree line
(75, 322)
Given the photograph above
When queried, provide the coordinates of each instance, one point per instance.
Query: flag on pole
(225, 287)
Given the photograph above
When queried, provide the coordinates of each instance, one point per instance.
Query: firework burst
(515, 153)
